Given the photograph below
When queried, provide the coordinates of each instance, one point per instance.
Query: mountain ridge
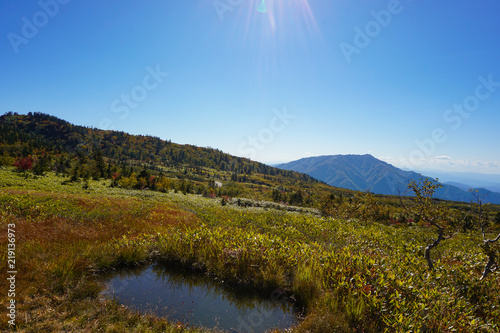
(367, 173)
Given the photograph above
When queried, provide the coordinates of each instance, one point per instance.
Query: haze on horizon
(414, 83)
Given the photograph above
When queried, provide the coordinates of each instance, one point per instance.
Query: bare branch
(489, 268)
(489, 241)
(451, 236)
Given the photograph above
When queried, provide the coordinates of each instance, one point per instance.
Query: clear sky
(416, 83)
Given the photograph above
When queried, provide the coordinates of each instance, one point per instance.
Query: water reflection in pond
(199, 301)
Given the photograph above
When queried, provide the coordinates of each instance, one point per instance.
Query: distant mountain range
(365, 172)
(468, 180)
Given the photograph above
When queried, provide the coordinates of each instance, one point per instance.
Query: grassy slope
(350, 275)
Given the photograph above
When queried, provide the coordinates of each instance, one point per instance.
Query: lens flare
(262, 7)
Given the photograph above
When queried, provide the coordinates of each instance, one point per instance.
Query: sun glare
(282, 16)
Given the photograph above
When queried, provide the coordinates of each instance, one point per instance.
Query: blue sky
(416, 83)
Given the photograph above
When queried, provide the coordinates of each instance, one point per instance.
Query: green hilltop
(147, 162)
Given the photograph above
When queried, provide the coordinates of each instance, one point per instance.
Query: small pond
(196, 300)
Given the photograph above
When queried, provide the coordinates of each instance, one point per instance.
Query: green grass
(351, 276)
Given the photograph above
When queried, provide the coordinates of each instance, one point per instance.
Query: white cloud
(448, 163)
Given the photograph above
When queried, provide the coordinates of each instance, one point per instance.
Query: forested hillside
(39, 142)
(36, 132)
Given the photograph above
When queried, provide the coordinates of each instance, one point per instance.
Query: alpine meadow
(257, 166)
(83, 202)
